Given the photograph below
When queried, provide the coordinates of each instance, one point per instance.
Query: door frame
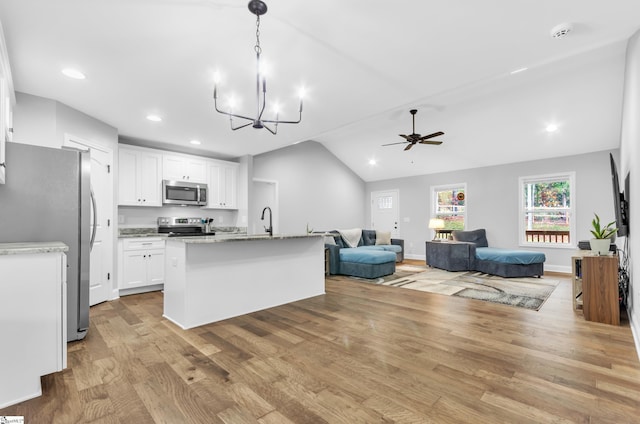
(109, 233)
(275, 210)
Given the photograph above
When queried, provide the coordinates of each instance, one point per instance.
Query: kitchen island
(212, 278)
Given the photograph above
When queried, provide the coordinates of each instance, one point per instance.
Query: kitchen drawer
(143, 243)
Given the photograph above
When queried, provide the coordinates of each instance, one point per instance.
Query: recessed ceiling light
(372, 161)
(551, 128)
(196, 142)
(517, 71)
(73, 73)
(154, 118)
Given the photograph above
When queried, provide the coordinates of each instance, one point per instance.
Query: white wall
(492, 201)
(315, 188)
(630, 163)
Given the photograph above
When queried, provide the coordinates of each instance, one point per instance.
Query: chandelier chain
(257, 47)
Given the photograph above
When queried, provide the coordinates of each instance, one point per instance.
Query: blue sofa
(502, 262)
(367, 260)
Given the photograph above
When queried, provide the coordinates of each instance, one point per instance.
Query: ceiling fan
(414, 138)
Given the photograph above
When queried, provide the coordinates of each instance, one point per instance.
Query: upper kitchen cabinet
(223, 184)
(139, 177)
(7, 100)
(184, 168)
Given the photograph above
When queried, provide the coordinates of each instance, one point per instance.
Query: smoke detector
(561, 31)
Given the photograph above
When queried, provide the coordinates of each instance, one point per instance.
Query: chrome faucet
(268, 229)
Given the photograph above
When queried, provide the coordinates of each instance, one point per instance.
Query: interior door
(385, 211)
(101, 258)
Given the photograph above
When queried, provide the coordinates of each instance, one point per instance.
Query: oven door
(182, 193)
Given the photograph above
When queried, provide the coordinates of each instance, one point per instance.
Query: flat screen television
(620, 204)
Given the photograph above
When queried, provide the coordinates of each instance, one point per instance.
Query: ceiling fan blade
(406, 137)
(399, 142)
(409, 146)
(435, 134)
(430, 142)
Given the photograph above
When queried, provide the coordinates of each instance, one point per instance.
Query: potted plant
(602, 236)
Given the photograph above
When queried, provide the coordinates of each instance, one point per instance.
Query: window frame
(443, 187)
(557, 176)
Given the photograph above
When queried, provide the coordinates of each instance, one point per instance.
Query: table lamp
(436, 224)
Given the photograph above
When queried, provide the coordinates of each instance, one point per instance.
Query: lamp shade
(436, 223)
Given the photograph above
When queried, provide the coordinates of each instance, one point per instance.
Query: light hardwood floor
(359, 354)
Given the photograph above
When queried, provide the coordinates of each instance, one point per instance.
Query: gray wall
(630, 163)
(492, 201)
(44, 122)
(314, 187)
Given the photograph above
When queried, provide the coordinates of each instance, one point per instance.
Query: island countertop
(240, 237)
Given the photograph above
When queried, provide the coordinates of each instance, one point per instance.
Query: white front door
(101, 258)
(385, 211)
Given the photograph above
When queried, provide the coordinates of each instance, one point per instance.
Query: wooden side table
(600, 289)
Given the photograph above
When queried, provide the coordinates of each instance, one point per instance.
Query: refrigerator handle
(95, 220)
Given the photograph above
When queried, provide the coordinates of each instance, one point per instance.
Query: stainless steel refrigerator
(47, 197)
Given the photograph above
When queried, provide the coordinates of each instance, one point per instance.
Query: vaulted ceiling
(364, 64)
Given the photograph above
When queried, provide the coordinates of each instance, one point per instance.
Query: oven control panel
(177, 222)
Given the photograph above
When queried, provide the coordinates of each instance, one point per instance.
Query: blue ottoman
(367, 263)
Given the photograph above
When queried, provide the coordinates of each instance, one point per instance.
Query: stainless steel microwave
(183, 193)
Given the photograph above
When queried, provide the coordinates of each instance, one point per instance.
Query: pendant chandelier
(258, 8)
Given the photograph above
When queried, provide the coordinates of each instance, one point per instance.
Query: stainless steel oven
(183, 193)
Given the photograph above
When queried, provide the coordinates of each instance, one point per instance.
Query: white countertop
(239, 237)
(32, 247)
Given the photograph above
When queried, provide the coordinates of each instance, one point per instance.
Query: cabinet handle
(4, 165)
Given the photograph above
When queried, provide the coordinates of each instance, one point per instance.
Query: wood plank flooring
(362, 353)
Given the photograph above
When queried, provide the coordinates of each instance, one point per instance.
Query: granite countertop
(240, 237)
(136, 232)
(32, 247)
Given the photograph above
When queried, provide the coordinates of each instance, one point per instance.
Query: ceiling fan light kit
(258, 8)
(414, 138)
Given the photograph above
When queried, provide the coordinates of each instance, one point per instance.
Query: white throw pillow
(383, 237)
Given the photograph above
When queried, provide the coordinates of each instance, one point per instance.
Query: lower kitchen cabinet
(141, 265)
(33, 317)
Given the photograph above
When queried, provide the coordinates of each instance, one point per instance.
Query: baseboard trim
(414, 256)
(635, 331)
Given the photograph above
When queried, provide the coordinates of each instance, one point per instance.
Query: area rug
(526, 292)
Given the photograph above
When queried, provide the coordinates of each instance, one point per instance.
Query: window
(546, 210)
(385, 202)
(449, 204)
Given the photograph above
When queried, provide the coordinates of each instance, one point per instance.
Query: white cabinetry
(141, 265)
(223, 185)
(184, 168)
(139, 177)
(7, 100)
(33, 328)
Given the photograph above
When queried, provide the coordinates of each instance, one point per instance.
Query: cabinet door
(134, 269)
(127, 177)
(229, 184)
(173, 168)
(150, 179)
(196, 170)
(214, 186)
(155, 266)
(222, 186)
